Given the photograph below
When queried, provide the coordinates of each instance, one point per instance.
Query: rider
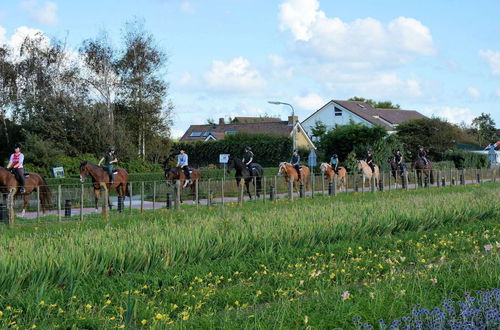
(422, 154)
(296, 162)
(334, 163)
(16, 165)
(109, 159)
(369, 160)
(182, 162)
(398, 158)
(248, 158)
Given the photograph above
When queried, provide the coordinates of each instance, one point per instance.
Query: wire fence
(79, 201)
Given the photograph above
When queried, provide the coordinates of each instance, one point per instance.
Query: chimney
(292, 119)
(221, 121)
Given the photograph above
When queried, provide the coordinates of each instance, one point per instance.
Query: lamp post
(293, 121)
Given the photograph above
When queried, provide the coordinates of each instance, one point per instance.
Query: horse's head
(324, 167)
(282, 168)
(84, 171)
(172, 173)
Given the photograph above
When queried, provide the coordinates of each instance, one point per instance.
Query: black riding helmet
(17, 145)
(111, 148)
(248, 149)
(335, 156)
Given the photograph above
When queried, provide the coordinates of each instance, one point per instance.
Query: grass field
(312, 263)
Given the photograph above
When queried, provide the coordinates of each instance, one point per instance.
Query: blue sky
(229, 57)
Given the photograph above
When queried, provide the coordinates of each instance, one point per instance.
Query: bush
(466, 159)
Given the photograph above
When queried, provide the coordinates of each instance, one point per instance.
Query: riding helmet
(111, 148)
(17, 145)
(420, 147)
(335, 156)
(248, 149)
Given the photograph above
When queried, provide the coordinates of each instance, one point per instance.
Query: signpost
(311, 162)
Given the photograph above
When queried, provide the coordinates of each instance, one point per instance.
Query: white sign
(223, 158)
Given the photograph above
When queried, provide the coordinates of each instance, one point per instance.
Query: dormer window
(338, 112)
(195, 134)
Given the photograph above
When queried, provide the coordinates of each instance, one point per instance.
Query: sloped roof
(395, 116)
(218, 131)
(255, 119)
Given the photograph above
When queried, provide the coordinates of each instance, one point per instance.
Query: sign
(223, 158)
(311, 160)
(58, 171)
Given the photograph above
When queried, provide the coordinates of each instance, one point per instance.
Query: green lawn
(315, 263)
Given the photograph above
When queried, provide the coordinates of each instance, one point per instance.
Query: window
(230, 131)
(195, 134)
(207, 133)
(338, 112)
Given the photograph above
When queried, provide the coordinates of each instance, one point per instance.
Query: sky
(229, 58)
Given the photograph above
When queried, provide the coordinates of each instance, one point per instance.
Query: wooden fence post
(222, 192)
(81, 201)
(154, 194)
(58, 202)
(290, 190)
(10, 208)
(335, 182)
(104, 212)
(142, 196)
(241, 190)
(177, 194)
(130, 198)
(197, 194)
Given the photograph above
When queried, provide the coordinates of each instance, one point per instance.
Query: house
(338, 112)
(214, 132)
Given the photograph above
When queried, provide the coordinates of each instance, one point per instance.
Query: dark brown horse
(33, 182)
(173, 174)
(420, 168)
(100, 178)
(398, 171)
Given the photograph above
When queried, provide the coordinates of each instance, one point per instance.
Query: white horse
(367, 172)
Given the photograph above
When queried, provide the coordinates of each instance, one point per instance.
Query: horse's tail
(45, 195)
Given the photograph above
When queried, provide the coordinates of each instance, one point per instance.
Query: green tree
(376, 104)
(485, 128)
(319, 129)
(435, 134)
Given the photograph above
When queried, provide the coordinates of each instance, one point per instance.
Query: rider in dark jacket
(109, 159)
(369, 160)
(398, 159)
(248, 158)
(296, 162)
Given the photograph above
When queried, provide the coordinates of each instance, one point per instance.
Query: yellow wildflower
(258, 293)
(108, 302)
(159, 316)
(143, 322)
(88, 306)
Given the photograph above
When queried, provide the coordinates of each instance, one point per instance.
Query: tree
(435, 134)
(319, 130)
(348, 138)
(485, 128)
(376, 104)
(143, 89)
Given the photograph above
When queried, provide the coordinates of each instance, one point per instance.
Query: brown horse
(330, 174)
(420, 168)
(33, 182)
(100, 178)
(290, 173)
(173, 174)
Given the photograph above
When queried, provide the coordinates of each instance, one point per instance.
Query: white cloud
(186, 79)
(498, 92)
(311, 101)
(363, 41)
(452, 114)
(234, 76)
(474, 93)
(276, 60)
(187, 7)
(20, 34)
(45, 13)
(493, 59)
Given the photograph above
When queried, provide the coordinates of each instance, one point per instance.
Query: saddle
(26, 175)
(115, 172)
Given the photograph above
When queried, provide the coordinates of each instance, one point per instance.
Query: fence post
(356, 178)
(169, 200)
(290, 190)
(443, 181)
(10, 208)
(335, 183)
(302, 192)
(323, 184)
(142, 196)
(81, 201)
(462, 177)
(452, 176)
(313, 183)
(4, 217)
(381, 183)
(154, 194)
(58, 203)
(196, 193)
(330, 188)
(255, 186)
(177, 194)
(209, 195)
(120, 203)
(222, 192)
(438, 178)
(494, 175)
(272, 194)
(264, 192)
(478, 177)
(130, 197)
(240, 192)
(105, 196)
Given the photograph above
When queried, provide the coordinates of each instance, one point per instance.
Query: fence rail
(77, 201)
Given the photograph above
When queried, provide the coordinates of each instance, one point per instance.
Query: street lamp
(293, 121)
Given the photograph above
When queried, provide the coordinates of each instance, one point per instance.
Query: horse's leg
(97, 193)
(25, 204)
(247, 184)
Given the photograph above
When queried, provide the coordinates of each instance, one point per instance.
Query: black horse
(398, 170)
(242, 172)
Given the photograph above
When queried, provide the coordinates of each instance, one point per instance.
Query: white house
(338, 112)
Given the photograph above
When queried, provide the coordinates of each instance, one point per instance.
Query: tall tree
(485, 128)
(143, 91)
(376, 104)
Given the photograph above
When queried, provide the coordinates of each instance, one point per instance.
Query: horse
(398, 171)
(290, 173)
(367, 172)
(419, 167)
(242, 172)
(100, 178)
(176, 173)
(33, 182)
(330, 174)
